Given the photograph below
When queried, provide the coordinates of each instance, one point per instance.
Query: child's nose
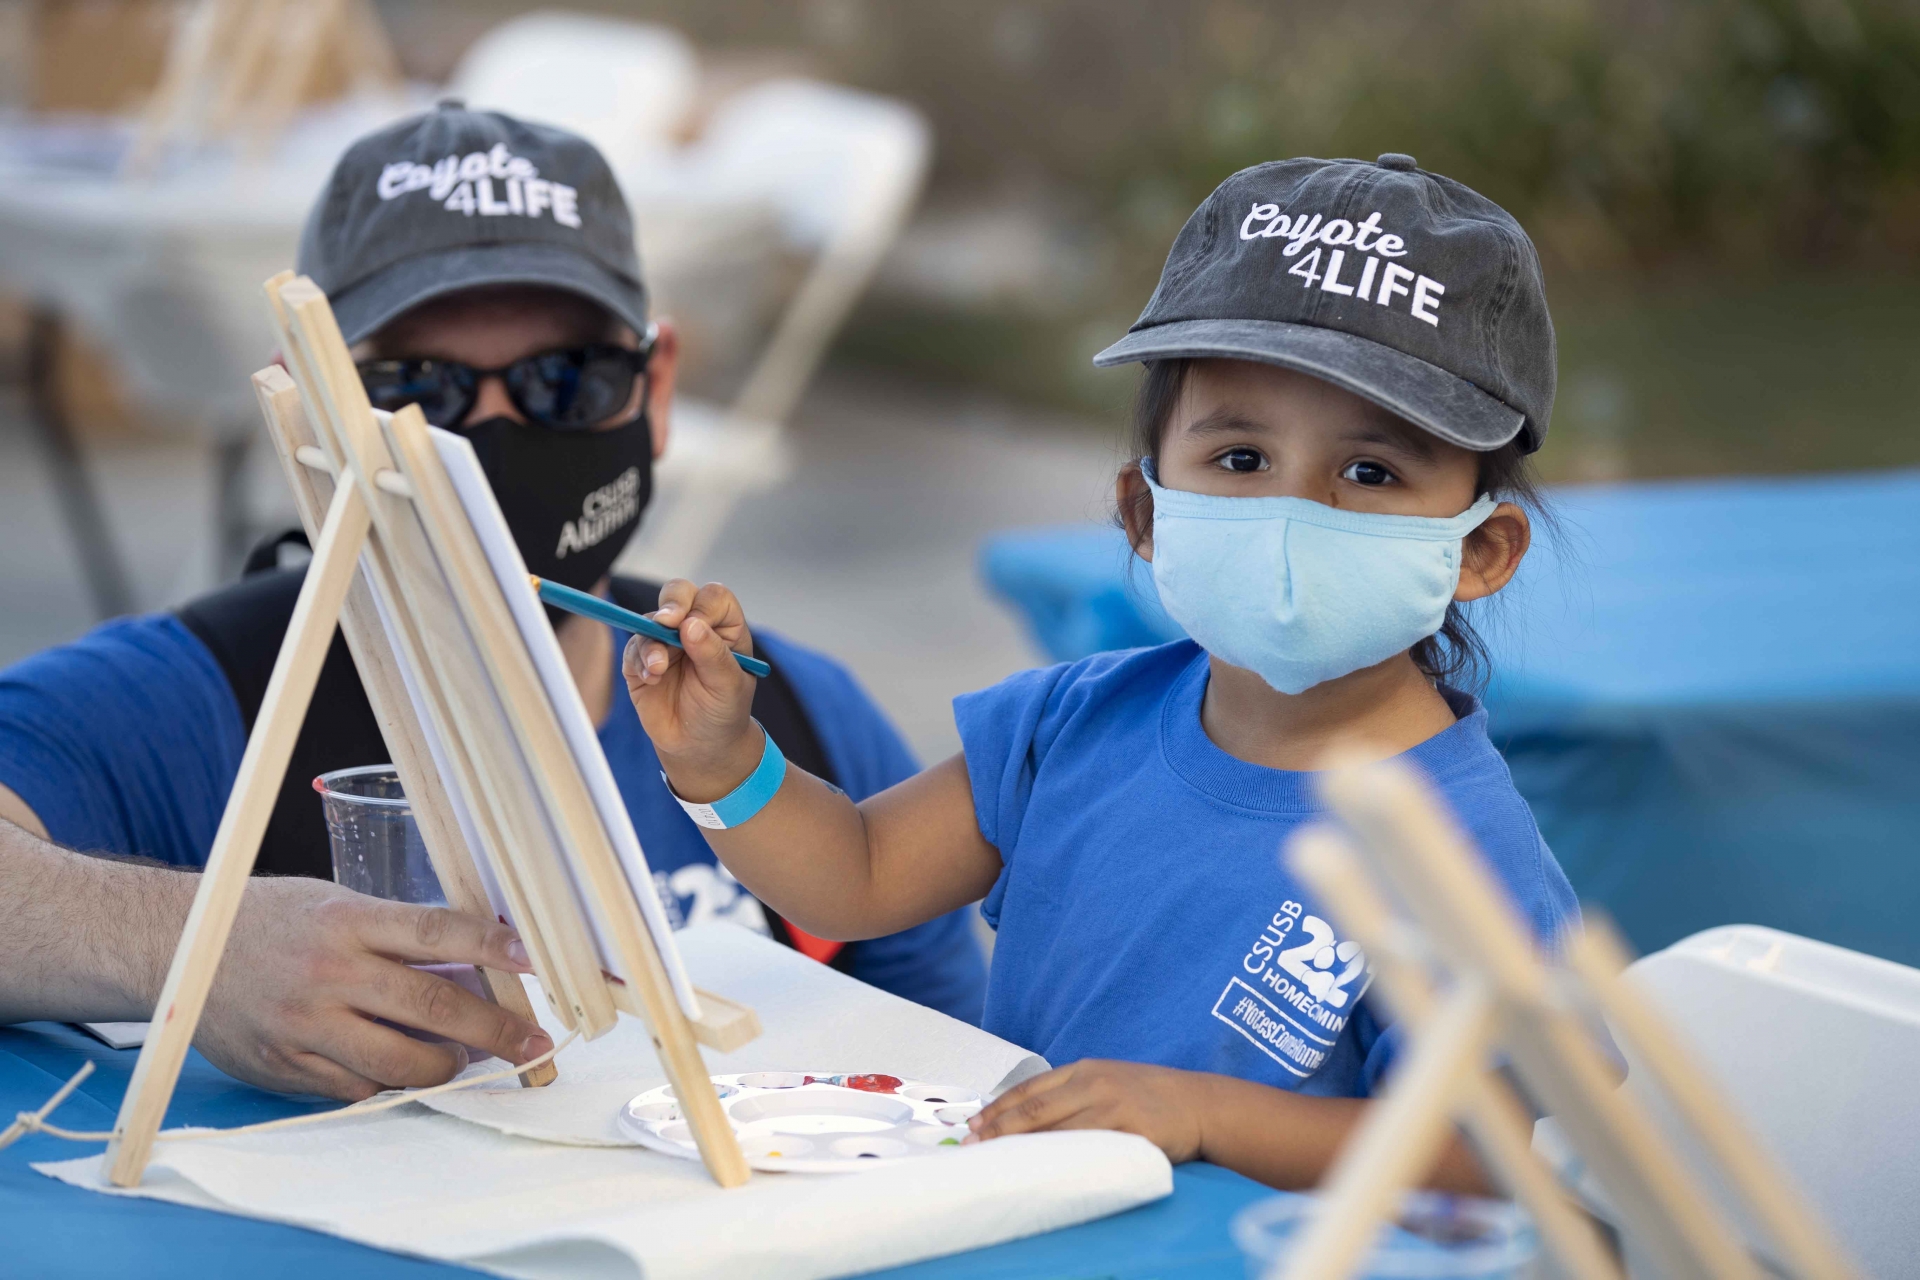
(1301, 480)
(492, 402)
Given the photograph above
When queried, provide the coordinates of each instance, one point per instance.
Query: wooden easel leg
(1398, 1141)
(283, 710)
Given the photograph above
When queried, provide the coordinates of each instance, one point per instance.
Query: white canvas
(530, 619)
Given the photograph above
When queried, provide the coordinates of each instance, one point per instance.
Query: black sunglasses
(569, 389)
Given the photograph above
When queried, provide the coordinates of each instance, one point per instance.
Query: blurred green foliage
(1722, 134)
(1726, 193)
(1628, 134)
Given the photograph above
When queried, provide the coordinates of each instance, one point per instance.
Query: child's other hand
(1161, 1104)
(695, 702)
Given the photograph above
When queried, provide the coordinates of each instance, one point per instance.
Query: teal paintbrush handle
(592, 606)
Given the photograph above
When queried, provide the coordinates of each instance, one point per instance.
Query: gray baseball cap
(1399, 285)
(453, 199)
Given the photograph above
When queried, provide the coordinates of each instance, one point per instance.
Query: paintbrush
(591, 606)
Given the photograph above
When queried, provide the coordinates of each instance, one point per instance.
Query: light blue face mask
(1298, 591)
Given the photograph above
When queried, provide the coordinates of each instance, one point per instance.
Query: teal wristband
(745, 800)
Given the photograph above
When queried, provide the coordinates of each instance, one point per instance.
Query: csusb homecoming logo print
(1314, 980)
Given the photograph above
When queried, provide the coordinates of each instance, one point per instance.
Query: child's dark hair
(1456, 655)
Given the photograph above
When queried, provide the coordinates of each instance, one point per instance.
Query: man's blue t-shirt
(127, 741)
(1142, 909)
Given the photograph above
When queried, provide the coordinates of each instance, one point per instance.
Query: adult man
(484, 269)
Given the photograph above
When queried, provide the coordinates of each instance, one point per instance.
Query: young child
(1347, 364)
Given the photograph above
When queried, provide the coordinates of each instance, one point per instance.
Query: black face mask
(571, 498)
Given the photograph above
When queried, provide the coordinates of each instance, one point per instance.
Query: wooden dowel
(308, 455)
(256, 788)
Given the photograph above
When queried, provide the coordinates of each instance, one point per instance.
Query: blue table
(1709, 692)
(51, 1230)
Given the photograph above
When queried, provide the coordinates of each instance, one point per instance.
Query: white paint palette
(793, 1122)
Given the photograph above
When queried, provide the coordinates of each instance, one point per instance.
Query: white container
(1818, 1049)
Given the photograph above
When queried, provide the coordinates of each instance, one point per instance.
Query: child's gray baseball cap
(1404, 287)
(453, 199)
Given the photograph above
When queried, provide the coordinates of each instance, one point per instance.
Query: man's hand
(307, 968)
(309, 965)
(1161, 1104)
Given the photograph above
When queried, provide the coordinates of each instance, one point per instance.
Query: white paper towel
(812, 1019)
(419, 1182)
(415, 1182)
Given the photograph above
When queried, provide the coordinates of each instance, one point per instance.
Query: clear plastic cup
(1435, 1237)
(377, 848)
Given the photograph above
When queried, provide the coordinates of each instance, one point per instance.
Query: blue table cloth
(1709, 692)
(50, 1231)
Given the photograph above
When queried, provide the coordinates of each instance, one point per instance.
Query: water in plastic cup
(377, 848)
(1436, 1237)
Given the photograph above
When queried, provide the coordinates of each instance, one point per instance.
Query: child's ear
(1135, 501)
(1491, 554)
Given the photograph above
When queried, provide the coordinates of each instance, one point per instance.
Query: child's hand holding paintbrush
(592, 606)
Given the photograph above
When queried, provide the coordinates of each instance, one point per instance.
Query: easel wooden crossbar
(476, 733)
(1459, 971)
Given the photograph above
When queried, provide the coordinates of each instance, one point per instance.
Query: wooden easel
(1459, 970)
(245, 66)
(481, 753)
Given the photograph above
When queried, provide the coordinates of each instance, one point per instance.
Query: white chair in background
(841, 170)
(625, 86)
(1818, 1048)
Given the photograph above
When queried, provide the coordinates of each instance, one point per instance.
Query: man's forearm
(1289, 1140)
(82, 938)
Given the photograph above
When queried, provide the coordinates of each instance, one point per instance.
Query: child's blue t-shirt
(1142, 909)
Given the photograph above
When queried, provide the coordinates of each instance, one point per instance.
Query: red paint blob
(874, 1084)
(866, 1084)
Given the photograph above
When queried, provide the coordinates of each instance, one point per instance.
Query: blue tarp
(1708, 691)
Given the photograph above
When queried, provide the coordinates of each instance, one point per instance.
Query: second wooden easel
(245, 66)
(1459, 971)
(505, 812)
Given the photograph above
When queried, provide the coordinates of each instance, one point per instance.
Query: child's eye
(1242, 459)
(1367, 473)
